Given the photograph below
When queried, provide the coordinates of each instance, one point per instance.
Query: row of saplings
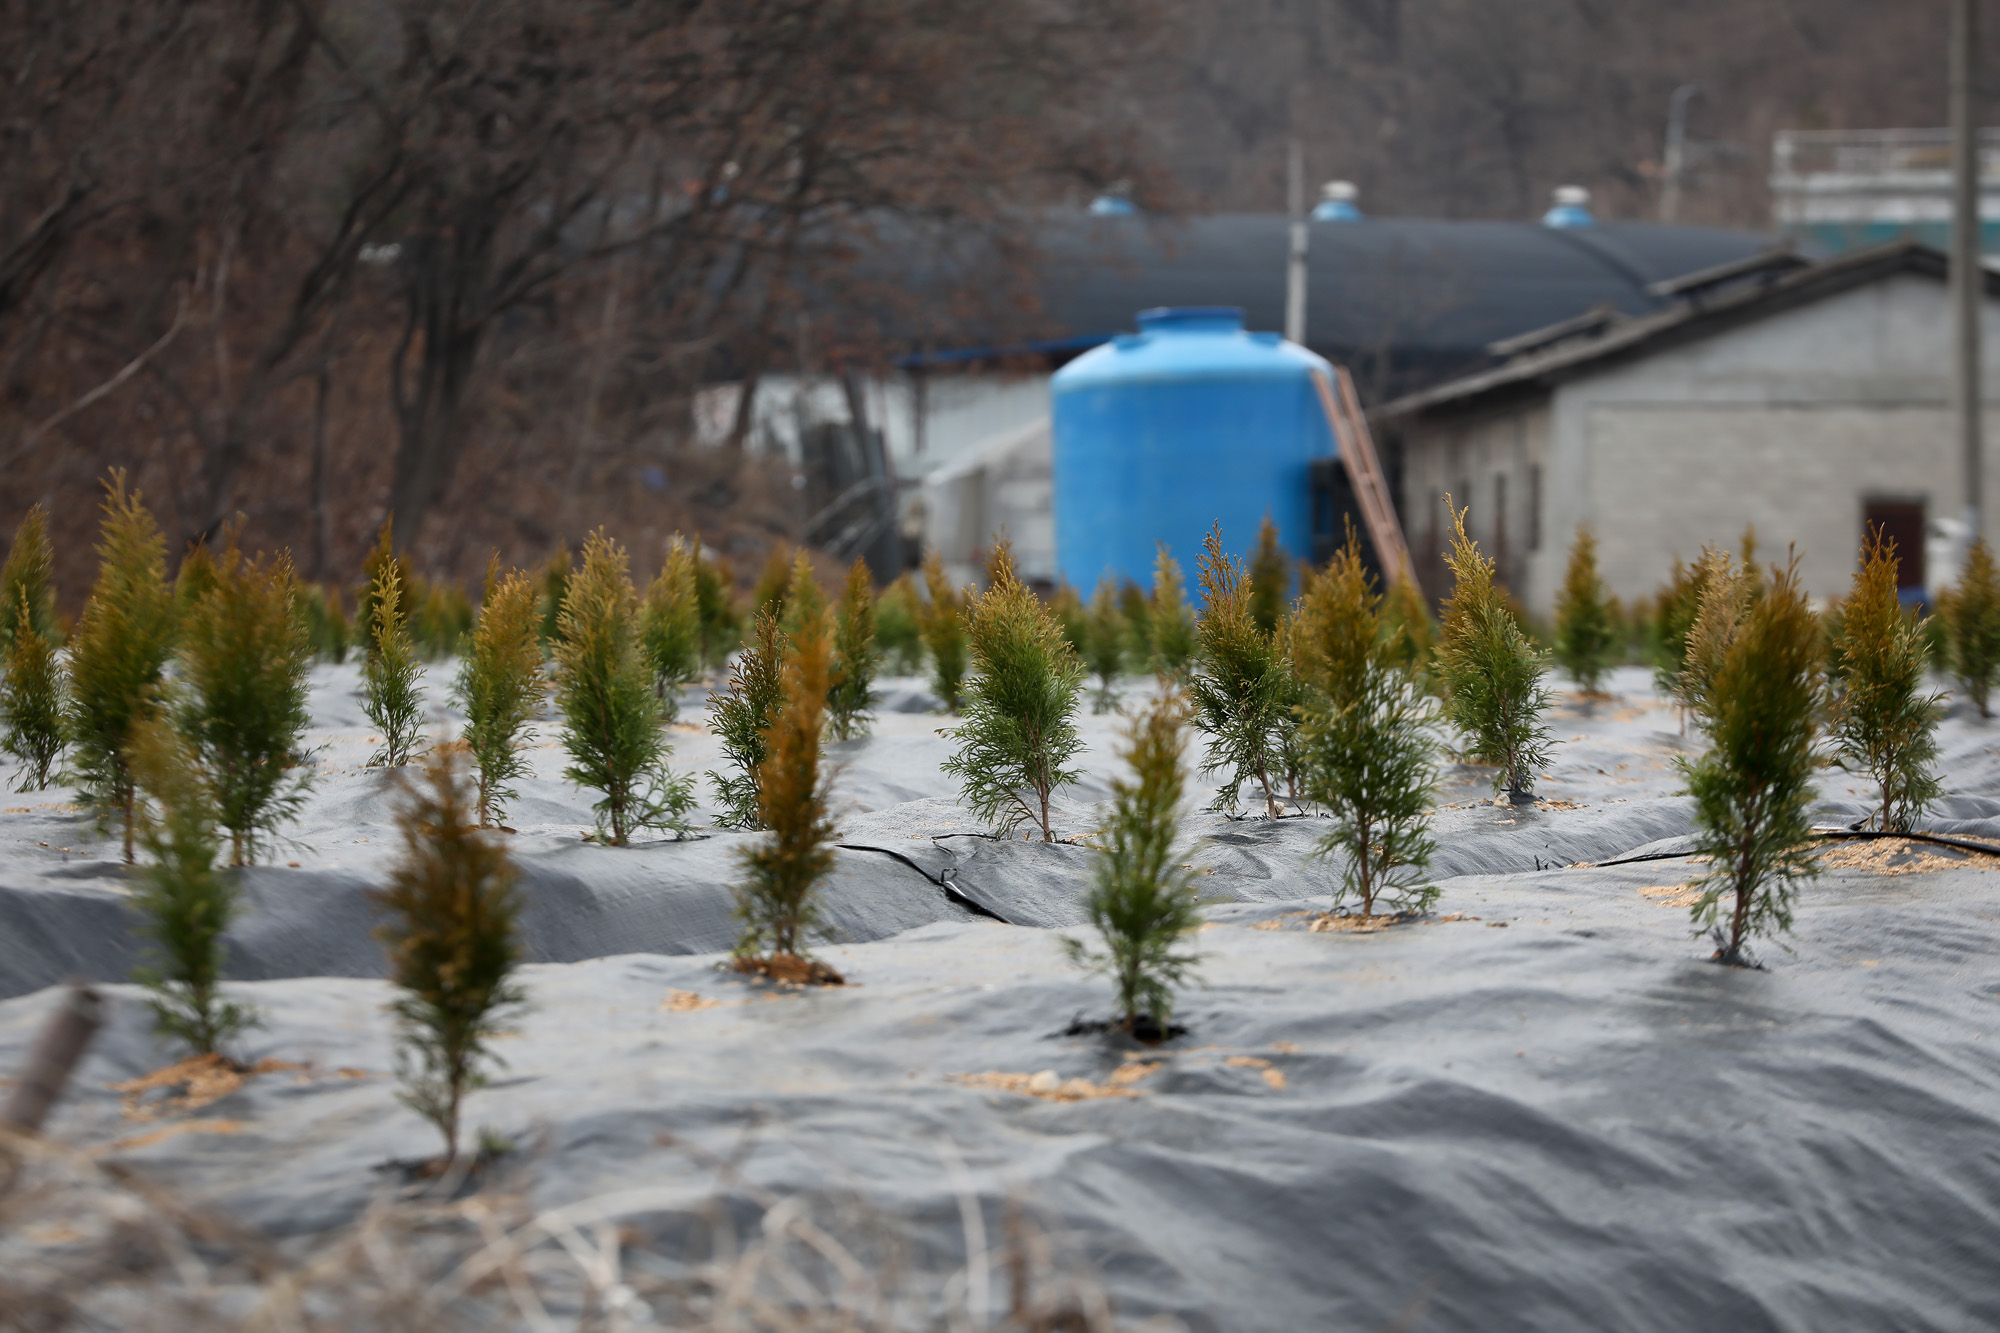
(1335, 700)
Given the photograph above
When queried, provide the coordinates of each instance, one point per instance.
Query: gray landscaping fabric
(1544, 1108)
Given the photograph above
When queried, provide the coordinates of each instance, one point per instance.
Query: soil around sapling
(789, 970)
(455, 1178)
(1143, 1031)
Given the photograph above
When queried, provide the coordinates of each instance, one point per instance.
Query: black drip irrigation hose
(943, 881)
(1847, 834)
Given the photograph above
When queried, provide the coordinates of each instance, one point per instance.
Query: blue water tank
(1187, 423)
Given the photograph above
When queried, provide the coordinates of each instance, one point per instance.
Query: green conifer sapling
(245, 665)
(555, 587)
(943, 626)
(31, 690)
(1753, 787)
(1884, 722)
(852, 693)
(670, 626)
(1142, 900)
(117, 652)
(184, 900)
(1409, 632)
(452, 945)
(1104, 643)
(1270, 578)
(721, 629)
(1169, 621)
(612, 727)
(1493, 676)
(1370, 755)
(1243, 689)
(896, 616)
(1019, 730)
(500, 687)
(742, 716)
(392, 695)
(1586, 630)
(1971, 613)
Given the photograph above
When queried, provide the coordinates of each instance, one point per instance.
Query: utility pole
(1967, 276)
(1295, 270)
(1676, 155)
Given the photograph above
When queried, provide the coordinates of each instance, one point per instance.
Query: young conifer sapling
(803, 601)
(852, 692)
(1586, 630)
(1408, 632)
(1367, 732)
(31, 688)
(670, 626)
(944, 633)
(777, 899)
(721, 627)
(117, 653)
(381, 558)
(1242, 690)
(1142, 900)
(1019, 730)
(1674, 609)
(392, 695)
(500, 687)
(1270, 578)
(1104, 643)
(1971, 613)
(896, 632)
(1884, 721)
(1724, 600)
(742, 716)
(451, 938)
(184, 900)
(612, 726)
(1493, 676)
(245, 664)
(1169, 621)
(1753, 787)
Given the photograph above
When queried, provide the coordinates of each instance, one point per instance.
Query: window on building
(1901, 522)
(1534, 506)
(1499, 528)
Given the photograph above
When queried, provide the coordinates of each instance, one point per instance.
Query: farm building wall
(1793, 424)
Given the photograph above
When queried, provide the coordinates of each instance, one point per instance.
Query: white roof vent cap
(1570, 208)
(1336, 203)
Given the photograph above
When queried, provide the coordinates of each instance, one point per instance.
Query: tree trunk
(1367, 879)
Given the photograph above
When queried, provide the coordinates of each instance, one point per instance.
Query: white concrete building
(1804, 400)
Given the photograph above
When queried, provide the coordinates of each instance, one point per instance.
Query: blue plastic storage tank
(1187, 423)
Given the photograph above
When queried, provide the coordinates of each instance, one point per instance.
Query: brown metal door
(1901, 522)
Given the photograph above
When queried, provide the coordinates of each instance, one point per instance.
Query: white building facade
(1803, 405)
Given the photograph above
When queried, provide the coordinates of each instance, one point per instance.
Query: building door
(1901, 522)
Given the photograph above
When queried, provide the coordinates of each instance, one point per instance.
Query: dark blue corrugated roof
(1403, 302)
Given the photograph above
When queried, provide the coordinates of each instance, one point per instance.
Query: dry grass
(1895, 856)
(1671, 895)
(86, 1245)
(1050, 1086)
(190, 1084)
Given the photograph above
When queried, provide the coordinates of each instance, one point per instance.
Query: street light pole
(1295, 267)
(1967, 275)
(1676, 155)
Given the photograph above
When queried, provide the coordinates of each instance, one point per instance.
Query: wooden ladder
(1364, 470)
